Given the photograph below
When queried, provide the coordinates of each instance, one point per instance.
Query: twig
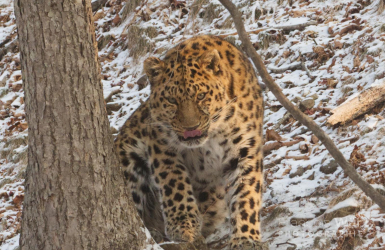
(297, 114)
(287, 243)
(304, 68)
(114, 92)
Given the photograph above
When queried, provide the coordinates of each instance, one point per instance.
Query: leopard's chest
(212, 164)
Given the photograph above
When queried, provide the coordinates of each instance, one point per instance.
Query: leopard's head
(187, 95)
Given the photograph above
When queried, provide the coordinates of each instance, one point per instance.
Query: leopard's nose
(192, 128)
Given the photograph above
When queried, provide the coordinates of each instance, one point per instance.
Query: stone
(330, 168)
(299, 172)
(306, 104)
(142, 82)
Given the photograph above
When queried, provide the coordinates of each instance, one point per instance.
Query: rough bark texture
(297, 114)
(75, 197)
(359, 105)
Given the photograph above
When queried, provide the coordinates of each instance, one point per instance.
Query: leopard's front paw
(247, 244)
(184, 228)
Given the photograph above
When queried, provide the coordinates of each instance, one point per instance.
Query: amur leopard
(192, 153)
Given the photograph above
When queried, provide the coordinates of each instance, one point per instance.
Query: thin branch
(297, 114)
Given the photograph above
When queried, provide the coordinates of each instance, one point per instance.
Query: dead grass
(129, 7)
(210, 13)
(8, 151)
(277, 212)
(137, 42)
(342, 197)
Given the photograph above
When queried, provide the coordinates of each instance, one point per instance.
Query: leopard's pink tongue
(192, 133)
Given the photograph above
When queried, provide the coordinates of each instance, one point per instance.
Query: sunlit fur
(183, 186)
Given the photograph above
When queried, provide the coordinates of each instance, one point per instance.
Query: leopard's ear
(210, 61)
(154, 67)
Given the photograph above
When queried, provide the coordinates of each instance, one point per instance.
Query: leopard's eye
(171, 100)
(201, 96)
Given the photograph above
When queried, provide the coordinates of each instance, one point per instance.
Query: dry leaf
(314, 139)
(356, 157)
(287, 171)
(272, 135)
(356, 62)
(369, 59)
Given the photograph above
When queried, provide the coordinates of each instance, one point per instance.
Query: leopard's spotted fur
(187, 187)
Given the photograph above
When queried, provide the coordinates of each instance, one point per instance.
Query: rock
(299, 172)
(311, 177)
(112, 107)
(306, 104)
(330, 168)
(142, 82)
(314, 96)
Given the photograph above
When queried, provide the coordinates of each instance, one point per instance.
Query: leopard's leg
(136, 167)
(181, 214)
(213, 207)
(246, 200)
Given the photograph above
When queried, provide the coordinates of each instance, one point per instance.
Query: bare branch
(297, 114)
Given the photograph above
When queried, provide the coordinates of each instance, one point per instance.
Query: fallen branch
(249, 32)
(286, 28)
(299, 157)
(297, 114)
(300, 26)
(346, 30)
(304, 68)
(292, 67)
(276, 145)
(114, 92)
(359, 105)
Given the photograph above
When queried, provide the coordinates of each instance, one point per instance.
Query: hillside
(321, 52)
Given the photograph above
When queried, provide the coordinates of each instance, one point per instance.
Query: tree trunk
(75, 196)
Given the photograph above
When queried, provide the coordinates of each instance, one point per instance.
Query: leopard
(192, 153)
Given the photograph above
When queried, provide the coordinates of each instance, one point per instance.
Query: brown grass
(137, 41)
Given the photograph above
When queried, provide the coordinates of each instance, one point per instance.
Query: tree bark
(75, 196)
(297, 114)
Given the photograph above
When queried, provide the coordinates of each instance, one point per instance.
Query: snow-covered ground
(309, 203)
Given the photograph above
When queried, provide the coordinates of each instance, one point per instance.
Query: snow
(305, 196)
(350, 202)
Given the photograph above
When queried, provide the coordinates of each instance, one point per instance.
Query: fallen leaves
(356, 157)
(272, 135)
